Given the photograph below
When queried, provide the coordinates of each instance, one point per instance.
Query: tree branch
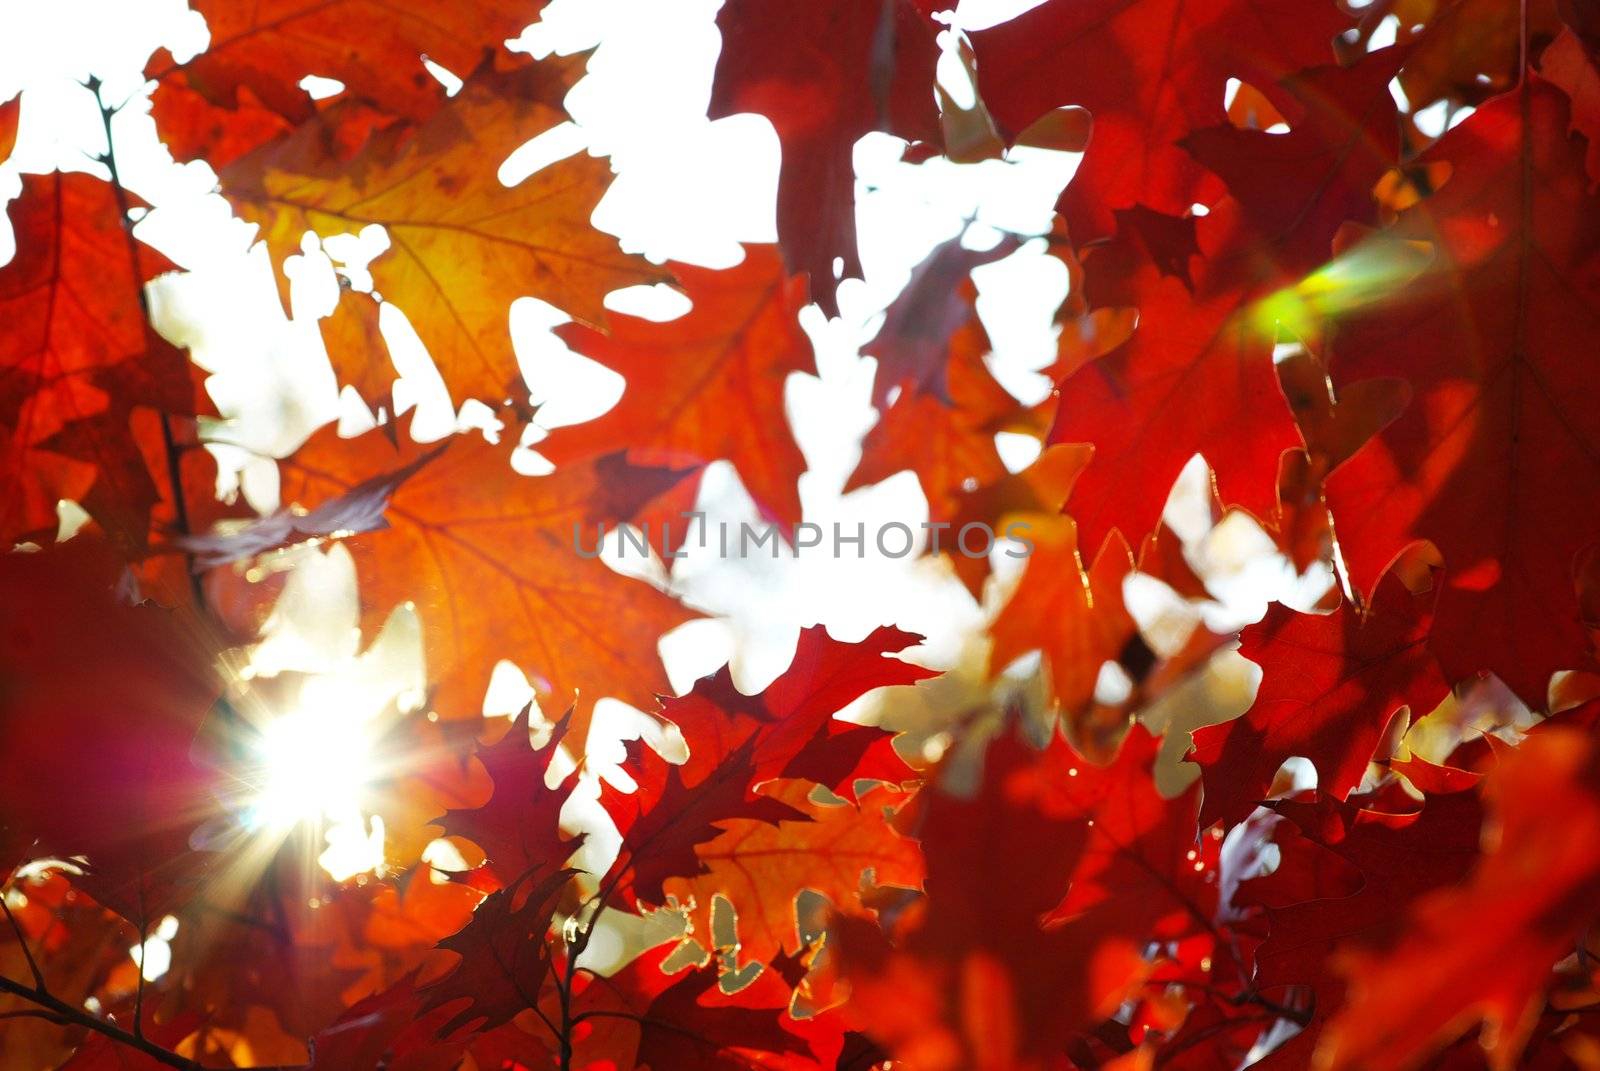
(53, 1009)
(68, 1015)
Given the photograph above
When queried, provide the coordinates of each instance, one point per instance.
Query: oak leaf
(647, 1018)
(1298, 189)
(695, 383)
(1333, 429)
(972, 979)
(245, 88)
(1484, 949)
(760, 868)
(1150, 72)
(76, 359)
(737, 742)
(357, 510)
(940, 406)
(463, 246)
(913, 344)
(519, 825)
(791, 721)
(1465, 51)
(1495, 341)
(1075, 619)
(506, 955)
(1330, 685)
(671, 813)
(1195, 376)
(10, 114)
(1395, 859)
(468, 523)
(825, 74)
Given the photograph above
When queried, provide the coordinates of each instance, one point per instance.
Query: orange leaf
(76, 358)
(245, 88)
(708, 385)
(463, 246)
(490, 559)
(760, 868)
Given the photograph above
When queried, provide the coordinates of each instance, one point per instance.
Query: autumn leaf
(759, 868)
(1485, 949)
(245, 88)
(386, 1031)
(1570, 64)
(692, 382)
(671, 813)
(77, 358)
(972, 973)
(1494, 341)
(519, 825)
(736, 742)
(940, 405)
(10, 113)
(1466, 51)
(1032, 497)
(1333, 429)
(354, 340)
(913, 345)
(358, 510)
(1144, 97)
(1298, 189)
(382, 1027)
(468, 522)
(505, 957)
(791, 723)
(949, 444)
(1330, 685)
(1396, 859)
(463, 245)
(1196, 376)
(682, 1019)
(1075, 619)
(825, 74)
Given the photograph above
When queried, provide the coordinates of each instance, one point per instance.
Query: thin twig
(22, 939)
(35, 1013)
(144, 950)
(169, 441)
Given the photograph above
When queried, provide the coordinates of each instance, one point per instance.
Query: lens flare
(315, 763)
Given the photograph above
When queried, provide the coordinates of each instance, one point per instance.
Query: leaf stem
(596, 905)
